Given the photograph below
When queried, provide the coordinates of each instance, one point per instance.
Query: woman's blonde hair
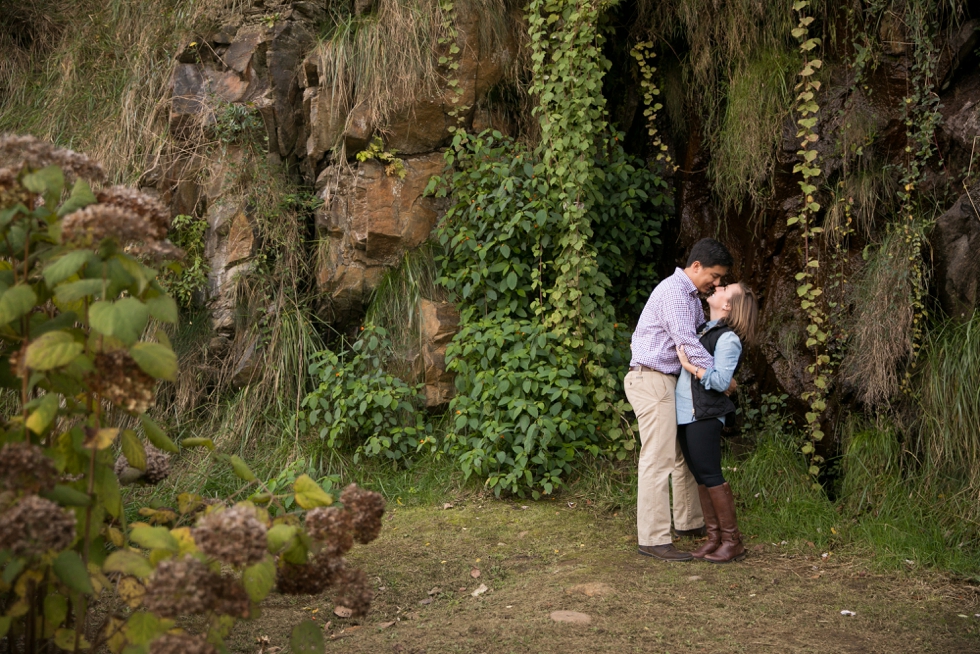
(744, 316)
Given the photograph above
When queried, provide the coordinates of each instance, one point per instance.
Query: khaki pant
(652, 396)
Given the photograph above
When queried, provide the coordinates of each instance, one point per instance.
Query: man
(670, 318)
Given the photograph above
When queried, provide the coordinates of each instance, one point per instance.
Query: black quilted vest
(712, 404)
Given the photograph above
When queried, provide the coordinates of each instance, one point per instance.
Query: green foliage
(184, 280)
(357, 403)
(237, 122)
(376, 150)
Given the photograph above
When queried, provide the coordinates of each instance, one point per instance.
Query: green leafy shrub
(77, 301)
(185, 279)
(357, 403)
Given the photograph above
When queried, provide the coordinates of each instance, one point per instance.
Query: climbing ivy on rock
(809, 291)
(530, 244)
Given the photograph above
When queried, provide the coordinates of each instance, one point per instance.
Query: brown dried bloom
(27, 151)
(332, 525)
(229, 597)
(181, 644)
(233, 535)
(366, 507)
(309, 578)
(99, 221)
(151, 210)
(119, 379)
(180, 587)
(35, 525)
(156, 251)
(12, 192)
(23, 467)
(157, 468)
(353, 591)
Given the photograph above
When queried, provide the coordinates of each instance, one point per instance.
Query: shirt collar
(686, 282)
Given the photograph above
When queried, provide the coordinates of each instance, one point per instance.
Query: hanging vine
(921, 117)
(643, 53)
(809, 290)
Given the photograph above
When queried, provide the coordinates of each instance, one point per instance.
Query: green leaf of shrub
(156, 360)
(81, 196)
(71, 571)
(128, 563)
(241, 468)
(64, 267)
(259, 579)
(307, 638)
(163, 308)
(52, 350)
(154, 538)
(45, 412)
(125, 319)
(66, 496)
(15, 302)
(75, 291)
(133, 450)
(279, 536)
(198, 442)
(157, 436)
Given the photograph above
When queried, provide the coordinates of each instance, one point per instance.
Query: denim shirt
(717, 378)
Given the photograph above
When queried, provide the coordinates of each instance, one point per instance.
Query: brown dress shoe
(665, 552)
(710, 523)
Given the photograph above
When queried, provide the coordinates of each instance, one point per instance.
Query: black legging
(701, 444)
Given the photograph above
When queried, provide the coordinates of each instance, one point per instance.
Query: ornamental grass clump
(80, 314)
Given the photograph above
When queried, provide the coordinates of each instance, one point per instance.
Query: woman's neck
(717, 314)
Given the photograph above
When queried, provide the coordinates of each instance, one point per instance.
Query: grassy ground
(539, 557)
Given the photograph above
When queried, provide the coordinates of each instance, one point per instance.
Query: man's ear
(696, 267)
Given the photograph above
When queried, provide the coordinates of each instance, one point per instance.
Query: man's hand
(731, 387)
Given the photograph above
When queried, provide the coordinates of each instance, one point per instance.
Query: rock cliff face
(265, 62)
(372, 215)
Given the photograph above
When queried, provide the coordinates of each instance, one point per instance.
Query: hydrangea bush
(82, 352)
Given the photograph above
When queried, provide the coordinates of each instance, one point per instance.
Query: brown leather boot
(710, 523)
(731, 548)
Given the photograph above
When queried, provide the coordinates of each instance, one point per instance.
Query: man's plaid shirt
(670, 318)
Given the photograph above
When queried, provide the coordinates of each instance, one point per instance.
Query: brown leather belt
(649, 369)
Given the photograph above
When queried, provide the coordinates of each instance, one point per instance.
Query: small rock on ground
(571, 617)
(592, 589)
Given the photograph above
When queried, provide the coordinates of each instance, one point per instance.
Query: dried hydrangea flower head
(229, 597)
(234, 536)
(353, 591)
(333, 526)
(119, 379)
(157, 468)
(12, 192)
(180, 587)
(181, 644)
(32, 153)
(308, 578)
(24, 468)
(366, 507)
(149, 209)
(35, 525)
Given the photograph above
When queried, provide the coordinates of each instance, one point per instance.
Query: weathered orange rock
(440, 322)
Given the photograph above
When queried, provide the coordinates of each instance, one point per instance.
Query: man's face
(706, 279)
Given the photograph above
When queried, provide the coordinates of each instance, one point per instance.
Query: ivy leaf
(125, 319)
(15, 302)
(259, 579)
(307, 638)
(128, 562)
(157, 436)
(70, 569)
(156, 360)
(309, 495)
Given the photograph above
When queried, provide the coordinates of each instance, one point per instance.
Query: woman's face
(720, 300)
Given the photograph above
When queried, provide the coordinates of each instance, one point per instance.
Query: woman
(701, 409)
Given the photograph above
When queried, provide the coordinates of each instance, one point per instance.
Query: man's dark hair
(710, 253)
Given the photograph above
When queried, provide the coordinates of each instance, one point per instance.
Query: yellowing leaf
(102, 438)
(131, 591)
(309, 495)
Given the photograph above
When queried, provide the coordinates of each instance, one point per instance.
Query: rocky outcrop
(956, 241)
(368, 221)
(440, 322)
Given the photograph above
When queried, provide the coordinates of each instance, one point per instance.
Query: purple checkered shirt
(671, 316)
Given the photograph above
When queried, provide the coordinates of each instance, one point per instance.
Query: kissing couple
(681, 374)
